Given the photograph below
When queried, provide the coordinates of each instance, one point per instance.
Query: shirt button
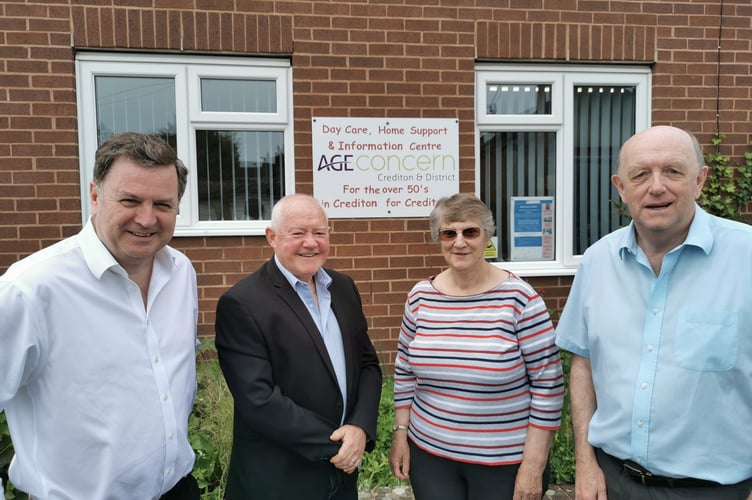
(655, 311)
(640, 423)
(164, 397)
(644, 385)
(650, 348)
(156, 360)
(170, 436)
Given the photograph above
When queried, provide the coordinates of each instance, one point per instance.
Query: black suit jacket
(287, 400)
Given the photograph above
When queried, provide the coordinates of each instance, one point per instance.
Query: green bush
(562, 448)
(210, 425)
(6, 454)
(375, 471)
(210, 434)
(727, 189)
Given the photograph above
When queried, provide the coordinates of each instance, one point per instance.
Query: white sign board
(384, 167)
(532, 223)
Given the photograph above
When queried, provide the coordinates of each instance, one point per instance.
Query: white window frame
(187, 72)
(562, 78)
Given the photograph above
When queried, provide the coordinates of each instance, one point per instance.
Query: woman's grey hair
(147, 149)
(459, 208)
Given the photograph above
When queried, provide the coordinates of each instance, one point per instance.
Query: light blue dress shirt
(671, 355)
(325, 320)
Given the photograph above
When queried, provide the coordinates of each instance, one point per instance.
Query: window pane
(240, 174)
(239, 96)
(604, 118)
(515, 164)
(135, 104)
(518, 99)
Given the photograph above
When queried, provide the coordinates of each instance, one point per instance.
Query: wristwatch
(397, 427)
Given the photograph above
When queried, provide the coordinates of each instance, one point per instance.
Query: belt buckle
(637, 471)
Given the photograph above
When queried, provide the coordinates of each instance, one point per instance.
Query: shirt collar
(98, 259)
(321, 277)
(699, 235)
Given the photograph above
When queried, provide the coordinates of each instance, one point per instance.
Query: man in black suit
(294, 348)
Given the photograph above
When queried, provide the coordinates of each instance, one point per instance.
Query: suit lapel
(339, 297)
(288, 295)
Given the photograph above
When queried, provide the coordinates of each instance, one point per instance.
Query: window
(547, 141)
(230, 120)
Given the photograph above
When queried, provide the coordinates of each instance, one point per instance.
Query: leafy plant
(6, 454)
(375, 471)
(727, 188)
(562, 448)
(210, 425)
(210, 434)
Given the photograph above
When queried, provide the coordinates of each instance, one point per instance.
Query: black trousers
(185, 489)
(437, 478)
(620, 486)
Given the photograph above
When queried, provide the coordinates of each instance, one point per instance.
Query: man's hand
(350, 453)
(589, 483)
(528, 484)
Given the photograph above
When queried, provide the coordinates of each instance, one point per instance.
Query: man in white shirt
(98, 336)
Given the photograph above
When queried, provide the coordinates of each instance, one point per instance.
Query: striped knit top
(476, 371)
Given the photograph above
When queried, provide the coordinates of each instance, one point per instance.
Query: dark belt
(641, 475)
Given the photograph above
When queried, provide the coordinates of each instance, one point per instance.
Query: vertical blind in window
(238, 96)
(240, 174)
(518, 99)
(515, 164)
(604, 118)
(135, 104)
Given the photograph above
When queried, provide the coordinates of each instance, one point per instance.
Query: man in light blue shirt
(659, 321)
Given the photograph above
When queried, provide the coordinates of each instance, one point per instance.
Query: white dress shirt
(97, 388)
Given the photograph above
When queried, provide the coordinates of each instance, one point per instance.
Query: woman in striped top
(478, 383)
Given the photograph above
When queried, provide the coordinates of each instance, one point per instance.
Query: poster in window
(532, 224)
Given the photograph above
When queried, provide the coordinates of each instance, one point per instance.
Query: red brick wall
(398, 58)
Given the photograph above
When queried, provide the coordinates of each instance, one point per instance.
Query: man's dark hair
(147, 149)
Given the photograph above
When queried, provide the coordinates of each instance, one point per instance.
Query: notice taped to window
(532, 223)
(384, 167)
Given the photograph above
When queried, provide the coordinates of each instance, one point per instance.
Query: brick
(349, 59)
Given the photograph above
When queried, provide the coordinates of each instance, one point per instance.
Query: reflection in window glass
(515, 164)
(518, 99)
(240, 174)
(604, 118)
(238, 96)
(139, 104)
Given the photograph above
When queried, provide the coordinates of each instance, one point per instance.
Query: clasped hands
(350, 453)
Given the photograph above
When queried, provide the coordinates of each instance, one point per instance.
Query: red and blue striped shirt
(476, 371)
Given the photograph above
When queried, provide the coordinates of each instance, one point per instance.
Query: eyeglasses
(469, 233)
